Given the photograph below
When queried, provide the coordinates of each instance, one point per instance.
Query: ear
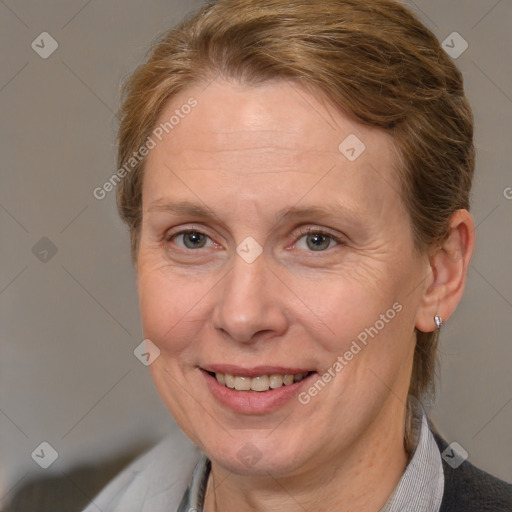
(449, 265)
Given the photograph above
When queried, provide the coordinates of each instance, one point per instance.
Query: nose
(251, 303)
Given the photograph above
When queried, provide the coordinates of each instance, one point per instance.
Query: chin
(252, 461)
(254, 454)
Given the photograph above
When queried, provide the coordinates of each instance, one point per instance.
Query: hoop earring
(439, 322)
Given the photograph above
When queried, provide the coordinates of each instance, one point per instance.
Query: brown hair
(373, 59)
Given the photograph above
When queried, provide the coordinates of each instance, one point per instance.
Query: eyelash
(302, 232)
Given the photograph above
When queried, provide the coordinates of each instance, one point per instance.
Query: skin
(246, 153)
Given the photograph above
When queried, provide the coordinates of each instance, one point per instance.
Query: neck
(361, 477)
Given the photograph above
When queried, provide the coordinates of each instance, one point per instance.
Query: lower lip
(253, 402)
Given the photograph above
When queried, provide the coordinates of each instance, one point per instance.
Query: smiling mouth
(259, 383)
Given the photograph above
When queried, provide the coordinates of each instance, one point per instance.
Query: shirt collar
(420, 487)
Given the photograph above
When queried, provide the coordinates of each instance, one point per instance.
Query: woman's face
(274, 242)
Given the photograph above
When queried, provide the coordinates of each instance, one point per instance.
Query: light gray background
(69, 326)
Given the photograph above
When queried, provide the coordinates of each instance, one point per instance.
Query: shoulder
(154, 482)
(468, 488)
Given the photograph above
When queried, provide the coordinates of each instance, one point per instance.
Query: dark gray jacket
(469, 489)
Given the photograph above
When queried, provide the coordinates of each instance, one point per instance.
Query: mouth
(258, 383)
(255, 391)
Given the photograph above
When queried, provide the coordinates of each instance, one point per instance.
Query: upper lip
(254, 371)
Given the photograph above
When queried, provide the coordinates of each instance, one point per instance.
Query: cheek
(171, 309)
(367, 321)
(349, 303)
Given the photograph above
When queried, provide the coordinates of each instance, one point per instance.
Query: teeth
(243, 383)
(276, 381)
(229, 381)
(287, 380)
(259, 383)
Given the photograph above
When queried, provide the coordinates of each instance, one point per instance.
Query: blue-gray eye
(317, 241)
(192, 239)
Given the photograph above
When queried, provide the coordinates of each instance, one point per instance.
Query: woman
(295, 177)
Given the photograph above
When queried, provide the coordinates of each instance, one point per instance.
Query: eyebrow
(187, 208)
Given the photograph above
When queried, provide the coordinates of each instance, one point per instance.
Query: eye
(317, 240)
(190, 239)
(314, 240)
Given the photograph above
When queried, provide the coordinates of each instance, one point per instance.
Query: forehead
(267, 142)
(276, 112)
